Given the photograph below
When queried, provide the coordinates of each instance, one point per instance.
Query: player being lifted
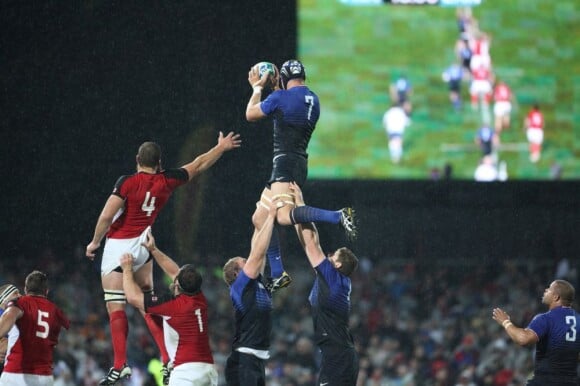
(294, 110)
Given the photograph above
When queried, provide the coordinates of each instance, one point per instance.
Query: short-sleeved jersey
(253, 308)
(185, 326)
(295, 113)
(558, 347)
(144, 195)
(535, 120)
(502, 93)
(32, 339)
(330, 302)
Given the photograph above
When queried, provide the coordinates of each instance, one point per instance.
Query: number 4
(148, 205)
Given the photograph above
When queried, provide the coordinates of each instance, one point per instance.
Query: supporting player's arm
(521, 336)
(8, 319)
(166, 263)
(257, 259)
(112, 206)
(132, 290)
(307, 233)
(207, 159)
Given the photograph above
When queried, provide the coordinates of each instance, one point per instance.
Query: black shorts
(288, 167)
(339, 366)
(455, 85)
(245, 370)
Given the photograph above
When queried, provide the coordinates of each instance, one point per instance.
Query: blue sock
(274, 255)
(306, 214)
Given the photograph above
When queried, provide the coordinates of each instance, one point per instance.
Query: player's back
(295, 112)
(185, 327)
(145, 195)
(559, 345)
(30, 348)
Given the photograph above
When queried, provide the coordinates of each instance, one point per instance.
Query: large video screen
(364, 58)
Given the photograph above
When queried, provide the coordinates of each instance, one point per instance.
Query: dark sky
(84, 83)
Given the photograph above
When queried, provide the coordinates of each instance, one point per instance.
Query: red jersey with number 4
(144, 195)
(502, 93)
(535, 120)
(184, 326)
(36, 333)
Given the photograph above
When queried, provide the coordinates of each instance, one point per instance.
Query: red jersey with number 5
(32, 339)
(144, 195)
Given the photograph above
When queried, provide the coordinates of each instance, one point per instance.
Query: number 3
(571, 335)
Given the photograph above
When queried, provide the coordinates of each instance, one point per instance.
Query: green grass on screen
(353, 53)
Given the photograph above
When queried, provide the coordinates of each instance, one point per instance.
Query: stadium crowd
(414, 324)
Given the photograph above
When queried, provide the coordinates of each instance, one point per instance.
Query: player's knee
(115, 297)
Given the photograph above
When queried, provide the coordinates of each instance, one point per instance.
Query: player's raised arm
(167, 264)
(258, 82)
(206, 160)
(257, 258)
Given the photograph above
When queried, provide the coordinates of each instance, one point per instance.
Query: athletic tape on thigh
(115, 296)
(287, 199)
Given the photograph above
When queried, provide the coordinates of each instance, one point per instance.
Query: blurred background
(84, 83)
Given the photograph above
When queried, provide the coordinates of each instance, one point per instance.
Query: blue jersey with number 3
(295, 113)
(559, 345)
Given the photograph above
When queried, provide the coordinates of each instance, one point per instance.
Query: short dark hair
(189, 279)
(36, 283)
(348, 261)
(149, 154)
(231, 270)
(566, 292)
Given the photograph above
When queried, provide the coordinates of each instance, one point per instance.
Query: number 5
(43, 325)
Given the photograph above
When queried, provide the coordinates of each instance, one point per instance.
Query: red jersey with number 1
(144, 195)
(36, 333)
(184, 326)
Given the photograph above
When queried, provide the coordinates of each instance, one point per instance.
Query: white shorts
(194, 374)
(14, 379)
(480, 87)
(502, 108)
(535, 135)
(115, 248)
